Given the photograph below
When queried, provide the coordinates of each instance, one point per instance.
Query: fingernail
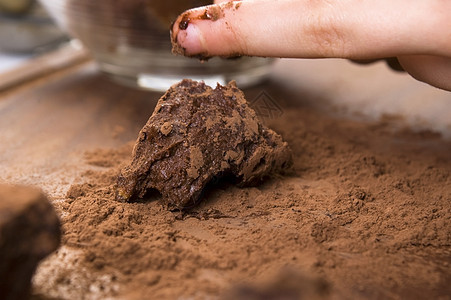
(191, 40)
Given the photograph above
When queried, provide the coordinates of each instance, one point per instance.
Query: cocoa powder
(368, 210)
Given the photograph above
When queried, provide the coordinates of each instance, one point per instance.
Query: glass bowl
(129, 39)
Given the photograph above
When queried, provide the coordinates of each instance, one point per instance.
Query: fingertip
(191, 40)
(186, 37)
(203, 32)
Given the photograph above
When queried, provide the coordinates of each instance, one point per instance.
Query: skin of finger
(312, 28)
(244, 31)
(434, 70)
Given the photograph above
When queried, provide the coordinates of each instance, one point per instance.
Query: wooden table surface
(47, 124)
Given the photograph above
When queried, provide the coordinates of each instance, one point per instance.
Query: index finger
(353, 29)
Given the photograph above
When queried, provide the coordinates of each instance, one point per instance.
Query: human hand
(417, 33)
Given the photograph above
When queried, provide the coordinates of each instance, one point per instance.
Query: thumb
(310, 29)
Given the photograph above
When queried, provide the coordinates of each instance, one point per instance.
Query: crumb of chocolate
(183, 25)
(213, 13)
(176, 48)
(166, 128)
(198, 134)
(232, 5)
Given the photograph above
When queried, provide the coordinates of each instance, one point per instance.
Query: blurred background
(128, 40)
(26, 30)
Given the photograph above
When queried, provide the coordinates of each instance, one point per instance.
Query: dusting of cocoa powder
(368, 211)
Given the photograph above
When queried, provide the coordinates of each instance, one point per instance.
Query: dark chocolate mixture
(29, 231)
(197, 135)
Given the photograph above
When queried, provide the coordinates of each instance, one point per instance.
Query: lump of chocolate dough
(198, 134)
(29, 231)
